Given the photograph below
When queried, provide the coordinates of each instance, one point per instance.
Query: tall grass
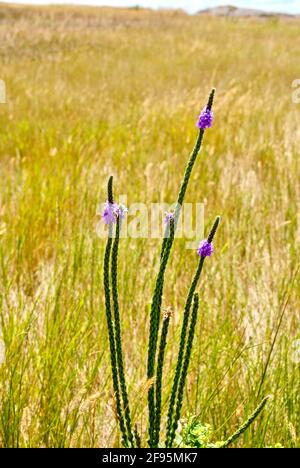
(93, 92)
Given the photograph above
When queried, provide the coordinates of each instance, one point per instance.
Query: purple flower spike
(169, 216)
(205, 118)
(109, 213)
(121, 210)
(205, 249)
(112, 211)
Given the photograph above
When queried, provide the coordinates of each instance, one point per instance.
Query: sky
(289, 6)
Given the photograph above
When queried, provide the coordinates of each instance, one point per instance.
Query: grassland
(94, 92)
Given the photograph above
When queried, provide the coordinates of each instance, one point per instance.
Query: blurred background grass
(93, 92)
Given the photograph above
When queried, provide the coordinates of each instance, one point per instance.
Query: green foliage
(192, 433)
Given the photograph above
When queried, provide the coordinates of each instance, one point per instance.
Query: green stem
(155, 311)
(159, 372)
(112, 338)
(180, 356)
(158, 290)
(178, 370)
(246, 424)
(118, 336)
(185, 367)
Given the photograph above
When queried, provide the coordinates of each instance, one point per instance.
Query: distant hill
(232, 11)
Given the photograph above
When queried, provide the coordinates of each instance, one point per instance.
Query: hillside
(235, 12)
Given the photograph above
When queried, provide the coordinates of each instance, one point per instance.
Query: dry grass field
(93, 92)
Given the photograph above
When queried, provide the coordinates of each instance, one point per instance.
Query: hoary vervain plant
(158, 331)
(205, 121)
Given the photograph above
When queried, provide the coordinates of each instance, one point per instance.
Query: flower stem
(158, 290)
(155, 311)
(159, 372)
(180, 356)
(111, 336)
(118, 336)
(246, 424)
(185, 367)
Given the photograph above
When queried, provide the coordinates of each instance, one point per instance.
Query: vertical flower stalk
(185, 367)
(118, 336)
(202, 124)
(156, 301)
(180, 356)
(110, 192)
(161, 355)
(205, 249)
(159, 372)
(165, 253)
(110, 326)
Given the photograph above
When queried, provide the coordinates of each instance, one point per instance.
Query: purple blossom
(112, 211)
(109, 212)
(205, 119)
(121, 210)
(169, 216)
(205, 248)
